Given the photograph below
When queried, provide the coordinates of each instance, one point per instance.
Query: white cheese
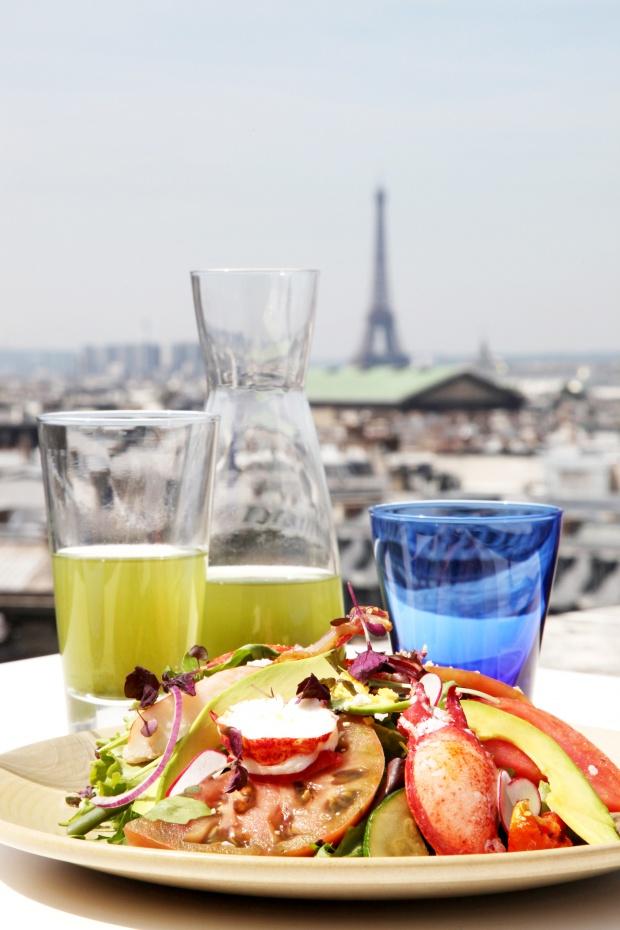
(273, 718)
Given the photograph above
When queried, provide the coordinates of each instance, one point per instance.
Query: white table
(38, 892)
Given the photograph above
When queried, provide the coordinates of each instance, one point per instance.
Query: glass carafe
(273, 571)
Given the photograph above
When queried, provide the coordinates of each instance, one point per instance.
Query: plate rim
(402, 876)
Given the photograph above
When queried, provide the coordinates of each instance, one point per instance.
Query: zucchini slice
(392, 831)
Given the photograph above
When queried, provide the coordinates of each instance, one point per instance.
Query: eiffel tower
(380, 344)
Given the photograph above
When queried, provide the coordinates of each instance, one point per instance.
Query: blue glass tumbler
(470, 580)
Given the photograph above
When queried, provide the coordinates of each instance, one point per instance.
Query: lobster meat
(450, 779)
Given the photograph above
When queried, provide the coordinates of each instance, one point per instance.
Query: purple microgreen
(311, 688)
(367, 663)
(199, 653)
(395, 775)
(358, 613)
(148, 726)
(86, 793)
(142, 685)
(338, 621)
(352, 595)
(377, 629)
(184, 681)
(239, 778)
(409, 665)
(235, 742)
(393, 778)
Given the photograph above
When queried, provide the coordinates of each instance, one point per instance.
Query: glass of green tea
(128, 497)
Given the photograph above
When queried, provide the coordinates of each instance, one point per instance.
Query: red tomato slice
(507, 756)
(279, 819)
(465, 678)
(600, 771)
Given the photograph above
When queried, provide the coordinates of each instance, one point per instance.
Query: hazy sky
(141, 139)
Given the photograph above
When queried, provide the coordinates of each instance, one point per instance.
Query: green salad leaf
(349, 847)
(178, 809)
(393, 743)
(244, 654)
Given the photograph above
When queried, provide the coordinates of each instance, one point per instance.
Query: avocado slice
(570, 794)
(281, 677)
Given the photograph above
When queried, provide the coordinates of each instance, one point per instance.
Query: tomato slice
(507, 756)
(278, 818)
(598, 768)
(465, 678)
(528, 831)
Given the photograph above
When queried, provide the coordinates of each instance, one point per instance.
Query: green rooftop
(381, 385)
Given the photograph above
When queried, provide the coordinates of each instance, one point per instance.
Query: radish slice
(204, 764)
(118, 800)
(433, 686)
(504, 808)
(512, 790)
(522, 789)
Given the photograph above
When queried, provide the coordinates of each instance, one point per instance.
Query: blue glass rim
(457, 512)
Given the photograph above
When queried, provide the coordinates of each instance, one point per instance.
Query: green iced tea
(118, 606)
(268, 604)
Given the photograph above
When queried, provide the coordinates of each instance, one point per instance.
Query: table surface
(60, 895)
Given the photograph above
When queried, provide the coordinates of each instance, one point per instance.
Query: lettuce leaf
(178, 809)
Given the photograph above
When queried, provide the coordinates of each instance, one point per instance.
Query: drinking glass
(470, 580)
(128, 497)
(273, 560)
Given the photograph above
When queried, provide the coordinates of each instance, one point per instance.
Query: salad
(291, 751)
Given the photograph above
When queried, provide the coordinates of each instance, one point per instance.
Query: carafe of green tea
(273, 573)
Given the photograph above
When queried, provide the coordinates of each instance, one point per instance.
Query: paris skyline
(138, 147)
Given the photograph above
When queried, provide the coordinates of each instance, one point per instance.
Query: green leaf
(393, 744)
(106, 774)
(351, 844)
(189, 664)
(178, 809)
(349, 847)
(244, 654)
(326, 851)
(111, 775)
(117, 825)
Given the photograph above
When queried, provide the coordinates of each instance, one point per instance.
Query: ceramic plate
(34, 781)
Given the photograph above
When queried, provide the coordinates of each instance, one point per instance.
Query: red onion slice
(433, 685)
(512, 790)
(119, 800)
